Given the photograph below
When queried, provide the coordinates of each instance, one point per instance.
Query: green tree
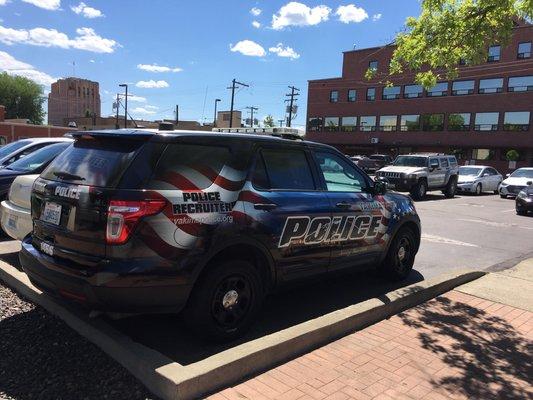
(268, 122)
(22, 97)
(512, 155)
(450, 31)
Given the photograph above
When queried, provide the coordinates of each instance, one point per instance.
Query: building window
(459, 122)
(371, 94)
(373, 65)
(391, 93)
(494, 85)
(348, 124)
(412, 91)
(388, 123)
(314, 124)
(482, 154)
(439, 90)
(352, 95)
(410, 123)
(524, 50)
(494, 53)
(334, 96)
(367, 124)
(517, 121)
(520, 84)
(486, 121)
(433, 122)
(460, 88)
(331, 124)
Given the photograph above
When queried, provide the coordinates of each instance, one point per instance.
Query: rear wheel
(418, 192)
(226, 301)
(451, 187)
(503, 196)
(400, 258)
(478, 189)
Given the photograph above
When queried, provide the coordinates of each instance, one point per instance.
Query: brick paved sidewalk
(455, 346)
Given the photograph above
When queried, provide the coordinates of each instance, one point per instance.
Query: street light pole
(215, 117)
(125, 85)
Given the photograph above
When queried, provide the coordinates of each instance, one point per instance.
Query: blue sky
(185, 52)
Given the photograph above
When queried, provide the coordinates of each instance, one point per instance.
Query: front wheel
(400, 258)
(418, 192)
(226, 301)
(478, 189)
(451, 187)
(520, 211)
(503, 196)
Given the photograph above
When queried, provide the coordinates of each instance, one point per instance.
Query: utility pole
(116, 119)
(215, 117)
(233, 86)
(294, 93)
(177, 115)
(280, 123)
(125, 85)
(252, 109)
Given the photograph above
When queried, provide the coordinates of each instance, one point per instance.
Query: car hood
(466, 178)
(405, 170)
(517, 181)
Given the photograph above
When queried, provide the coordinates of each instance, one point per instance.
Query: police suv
(206, 223)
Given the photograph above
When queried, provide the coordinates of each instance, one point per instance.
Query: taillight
(123, 216)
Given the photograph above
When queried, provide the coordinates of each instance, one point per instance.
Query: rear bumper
(16, 221)
(125, 292)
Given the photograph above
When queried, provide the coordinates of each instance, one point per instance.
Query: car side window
(433, 161)
(444, 163)
(339, 175)
(283, 169)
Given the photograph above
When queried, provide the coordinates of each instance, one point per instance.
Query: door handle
(343, 205)
(265, 206)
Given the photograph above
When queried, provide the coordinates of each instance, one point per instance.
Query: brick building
(12, 130)
(73, 97)
(479, 116)
(223, 118)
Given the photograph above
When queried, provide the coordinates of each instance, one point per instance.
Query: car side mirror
(507, 175)
(529, 183)
(381, 185)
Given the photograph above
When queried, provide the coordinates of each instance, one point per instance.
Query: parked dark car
(33, 163)
(524, 201)
(207, 223)
(381, 160)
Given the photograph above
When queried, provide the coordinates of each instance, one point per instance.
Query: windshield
(38, 158)
(469, 171)
(522, 173)
(410, 161)
(376, 157)
(11, 147)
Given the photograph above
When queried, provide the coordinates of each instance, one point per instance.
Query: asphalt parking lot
(465, 232)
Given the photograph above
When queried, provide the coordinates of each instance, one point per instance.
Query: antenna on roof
(354, 46)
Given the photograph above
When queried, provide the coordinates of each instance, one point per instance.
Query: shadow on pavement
(168, 334)
(486, 356)
(12, 259)
(435, 197)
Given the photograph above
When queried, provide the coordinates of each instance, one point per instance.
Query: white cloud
(46, 4)
(148, 110)
(15, 67)
(256, 24)
(151, 84)
(256, 11)
(351, 13)
(87, 39)
(248, 48)
(286, 51)
(92, 61)
(376, 17)
(3, 2)
(132, 97)
(157, 68)
(298, 14)
(86, 11)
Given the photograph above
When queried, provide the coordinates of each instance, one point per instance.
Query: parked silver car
(478, 178)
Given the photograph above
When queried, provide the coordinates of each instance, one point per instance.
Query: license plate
(52, 213)
(47, 248)
(12, 221)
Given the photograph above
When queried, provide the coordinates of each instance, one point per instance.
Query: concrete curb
(170, 380)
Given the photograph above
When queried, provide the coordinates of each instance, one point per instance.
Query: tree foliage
(268, 122)
(22, 97)
(450, 31)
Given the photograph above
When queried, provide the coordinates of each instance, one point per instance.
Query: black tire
(503, 196)
(398, 263)
(479, 189)
(496, 191)
(519, 211)
(418, 191)
(451, 187)
(237, 282)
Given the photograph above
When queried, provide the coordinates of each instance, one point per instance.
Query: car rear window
(93, 161)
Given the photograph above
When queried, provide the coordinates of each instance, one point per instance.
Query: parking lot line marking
(506, 211)
(495, 224)
(443, 240)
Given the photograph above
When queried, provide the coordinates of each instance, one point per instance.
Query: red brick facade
(499, 137)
